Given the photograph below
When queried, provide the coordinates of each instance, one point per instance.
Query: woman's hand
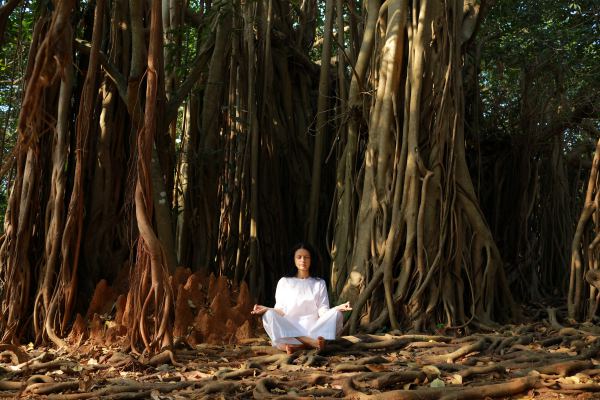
(259, 310)
(344, 307)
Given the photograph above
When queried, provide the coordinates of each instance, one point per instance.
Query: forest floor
(537, 360)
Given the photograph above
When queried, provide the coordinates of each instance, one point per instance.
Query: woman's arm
(280, 297)
(322, 299)
(279, 301)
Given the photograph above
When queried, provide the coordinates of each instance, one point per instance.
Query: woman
(301, 317)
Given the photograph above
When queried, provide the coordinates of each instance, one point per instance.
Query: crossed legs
(280, 329)
(306, 343)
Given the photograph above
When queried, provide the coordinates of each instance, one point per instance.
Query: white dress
(306, 312)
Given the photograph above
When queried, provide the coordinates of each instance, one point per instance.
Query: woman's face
(302, 260)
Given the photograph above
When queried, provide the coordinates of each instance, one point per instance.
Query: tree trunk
(419, 231)
(321, 128)
(150, 297)
(583, 298)
(49, 57)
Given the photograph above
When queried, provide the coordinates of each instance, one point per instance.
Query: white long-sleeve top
(302, 299)
(305, 305)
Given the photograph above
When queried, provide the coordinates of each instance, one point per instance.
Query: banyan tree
(411, 245)
(584, 283)
(152, 136)
(162, 141)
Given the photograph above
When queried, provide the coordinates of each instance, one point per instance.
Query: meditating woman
(301, 317)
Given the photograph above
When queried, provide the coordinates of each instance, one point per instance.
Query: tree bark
(418, 210)
(321, 128)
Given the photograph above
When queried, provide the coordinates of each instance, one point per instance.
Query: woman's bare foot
(320, 343)
(292, 348)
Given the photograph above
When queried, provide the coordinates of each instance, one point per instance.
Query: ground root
(546, 359)
(124, 390)
(513, 386)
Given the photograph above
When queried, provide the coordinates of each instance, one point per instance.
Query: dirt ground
(542, 360)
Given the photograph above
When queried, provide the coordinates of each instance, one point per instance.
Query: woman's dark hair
(315, 260)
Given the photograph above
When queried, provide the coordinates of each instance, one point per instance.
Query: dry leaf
(583, 378)
(56, 372)
(155, 395)
(376, 367)
(437, 383)
(569, 380)
(456, 379)
(431, 370)
(194, 375)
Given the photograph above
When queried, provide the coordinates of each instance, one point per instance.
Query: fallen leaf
(456, 379)
(56, 372)
(437, 383)
(155, 395)
(569, 380)
(431, 370)
(194, 375)
(376, 367)
(584, 378)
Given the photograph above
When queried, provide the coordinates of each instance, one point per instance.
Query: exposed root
(125, 390)
(463, 351)
(164, 357)
(501, 364)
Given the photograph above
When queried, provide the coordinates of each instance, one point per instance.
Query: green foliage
(536, 52)
(538, 79)
(13, 60)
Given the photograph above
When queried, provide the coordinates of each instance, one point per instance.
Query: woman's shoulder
(318, 281)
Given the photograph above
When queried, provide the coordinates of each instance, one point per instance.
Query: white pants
(284, 330)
